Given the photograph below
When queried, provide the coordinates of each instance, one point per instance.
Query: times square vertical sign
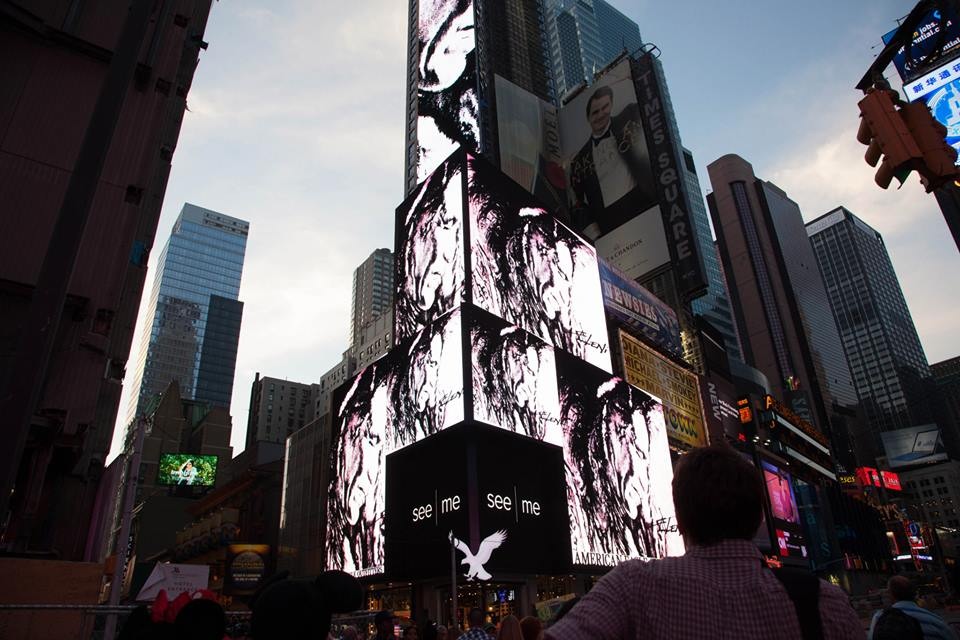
(665, 157)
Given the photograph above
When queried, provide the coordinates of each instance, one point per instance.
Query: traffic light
(886, 134)
(939, 165)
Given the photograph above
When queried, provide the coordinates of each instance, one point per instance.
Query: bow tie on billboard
(598, 139)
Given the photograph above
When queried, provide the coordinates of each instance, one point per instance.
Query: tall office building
(781, 306)
(277, 409)
(583, 36)
(56, 57)
(193, 312)
(889, 367)
(372, 293)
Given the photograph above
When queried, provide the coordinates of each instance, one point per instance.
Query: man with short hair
(721, 587)
(904, 596)
(383, 621)
(476, 632)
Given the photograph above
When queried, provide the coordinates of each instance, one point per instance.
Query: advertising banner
(784, 514)
(447, 104)
(891, 480)
(518, 503)
(528, 130)
(174, 579)
(940, 90)
(637, 247)
(664, 154)
(608, 166)
(632, 306)
(913, 445)
(720, 410)
(246, 567)
(187, 469)
(932, 35)
(676, 387)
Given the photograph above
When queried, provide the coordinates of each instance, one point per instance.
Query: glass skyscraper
(889, 368)
(193, 312)
(584, 35)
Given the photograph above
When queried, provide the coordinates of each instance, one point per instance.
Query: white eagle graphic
(475, 561)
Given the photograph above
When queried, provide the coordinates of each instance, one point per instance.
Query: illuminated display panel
(605, 154)
(514, 379)
(784, 513)
(532, 271)
(187, 469)
(940, 90)
(913, 445)
(618, 468)
(413, 392)
(447, 109)
(429, 250)
(517, 498)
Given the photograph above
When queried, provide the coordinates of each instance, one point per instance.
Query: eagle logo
(475, 561)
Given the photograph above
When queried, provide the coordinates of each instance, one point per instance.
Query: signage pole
(120, 546)
(453, 579)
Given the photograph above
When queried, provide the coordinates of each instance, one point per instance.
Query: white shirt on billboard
(612, 172)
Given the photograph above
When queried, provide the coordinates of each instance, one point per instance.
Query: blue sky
(295, 124)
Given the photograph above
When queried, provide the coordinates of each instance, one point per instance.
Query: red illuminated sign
(891, 480)
(869, 477)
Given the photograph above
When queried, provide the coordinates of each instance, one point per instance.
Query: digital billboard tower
(501, 350)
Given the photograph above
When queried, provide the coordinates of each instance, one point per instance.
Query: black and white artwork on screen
(531, 270)
(447, 105)
(618, 468)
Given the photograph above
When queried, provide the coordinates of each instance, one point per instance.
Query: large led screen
(429, 250)
(940, 90)
(496, 498)
(605, 154)
(447, 109)
(784, 514)
(514, 379)
(618, 468)
(913, 445)
(532, 271)
(632, 306)
(927, 40)
(413, 392)
(528, 132)
(187, 469)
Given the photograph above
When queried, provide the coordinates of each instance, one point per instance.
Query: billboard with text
(913, 445)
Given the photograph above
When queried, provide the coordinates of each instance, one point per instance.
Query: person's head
(510, 629)
(901, 588)
(302, 609)
(532, 628)
(201, 619)
(718, 495)
(349, 633)
(475, 617)
(383, 621)
(441, 632)
(411, 633)
(598, 109)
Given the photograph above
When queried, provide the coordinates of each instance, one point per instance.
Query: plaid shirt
(476, 633)
(719, 591)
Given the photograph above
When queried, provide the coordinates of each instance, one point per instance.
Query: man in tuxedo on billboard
(613, 164)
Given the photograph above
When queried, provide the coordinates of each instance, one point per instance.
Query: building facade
(890, 371)
(583, 36)
(193, 312)
(780, 303)
(372, 292)
(277, 409)
(56, 57)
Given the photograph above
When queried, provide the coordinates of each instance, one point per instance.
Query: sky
(295, 123)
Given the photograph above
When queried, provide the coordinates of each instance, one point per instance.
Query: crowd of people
(721, 587)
